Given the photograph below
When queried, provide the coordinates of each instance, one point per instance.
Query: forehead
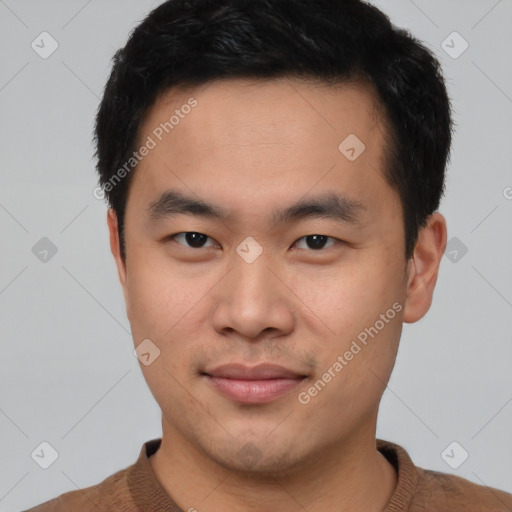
(263, 103)
(258, 136)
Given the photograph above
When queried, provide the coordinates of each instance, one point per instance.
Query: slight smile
(257, 385)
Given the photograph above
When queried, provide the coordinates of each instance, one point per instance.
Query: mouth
(253, 385)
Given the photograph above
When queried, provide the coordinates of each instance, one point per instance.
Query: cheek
(354, 369)
(154, 303)
(344, 301)
(168, 307)
(360, 308)
(162, 308)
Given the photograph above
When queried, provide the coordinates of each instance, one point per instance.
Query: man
(273, 169)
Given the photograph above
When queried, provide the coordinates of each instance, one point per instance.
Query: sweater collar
(149, 495)
(146, 491)
(407, 476)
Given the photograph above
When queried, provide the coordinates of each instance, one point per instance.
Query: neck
(351, 475)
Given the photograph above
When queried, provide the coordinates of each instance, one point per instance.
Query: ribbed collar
(407, 476)
(149, 495)
(146, 491)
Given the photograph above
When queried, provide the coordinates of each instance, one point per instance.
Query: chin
(258, 457)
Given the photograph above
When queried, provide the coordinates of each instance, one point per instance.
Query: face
(277, 322)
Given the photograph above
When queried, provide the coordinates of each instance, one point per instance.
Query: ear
(115, 247)
(423, 268)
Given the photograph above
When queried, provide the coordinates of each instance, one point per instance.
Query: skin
(252, 147)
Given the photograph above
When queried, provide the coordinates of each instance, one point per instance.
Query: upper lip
(259, 372)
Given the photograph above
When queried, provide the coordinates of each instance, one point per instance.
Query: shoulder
(110, 494)
(444, 492)
(424, 490)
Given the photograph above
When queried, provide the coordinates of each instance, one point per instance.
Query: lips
(258, 384)
(260, 372)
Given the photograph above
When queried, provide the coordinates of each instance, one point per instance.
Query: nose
(253, 302)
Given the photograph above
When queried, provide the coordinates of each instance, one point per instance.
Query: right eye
(192, 238)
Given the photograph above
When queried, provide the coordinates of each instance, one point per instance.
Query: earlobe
(423, 268)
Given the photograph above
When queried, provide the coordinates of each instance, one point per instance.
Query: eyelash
(336, 240)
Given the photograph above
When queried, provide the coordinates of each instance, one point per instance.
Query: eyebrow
(327, 206)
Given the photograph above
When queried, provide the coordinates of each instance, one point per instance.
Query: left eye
(316, 242)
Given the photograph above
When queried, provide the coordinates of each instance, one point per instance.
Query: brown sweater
(136, 489)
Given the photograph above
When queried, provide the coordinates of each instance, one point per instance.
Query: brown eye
(192, 239)
(316, 242)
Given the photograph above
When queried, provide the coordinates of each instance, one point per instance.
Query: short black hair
(193, 42)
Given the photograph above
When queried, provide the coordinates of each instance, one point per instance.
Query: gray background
(68, 375)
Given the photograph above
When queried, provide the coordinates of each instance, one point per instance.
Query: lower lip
(254, 391)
